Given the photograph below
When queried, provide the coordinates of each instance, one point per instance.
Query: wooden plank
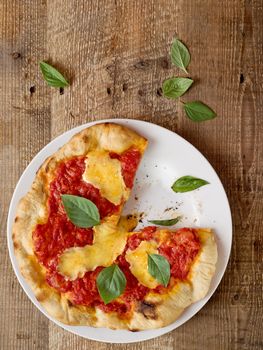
(116, 55)
(116, 58)
(133, 52)
(221, 39)
(24, 129)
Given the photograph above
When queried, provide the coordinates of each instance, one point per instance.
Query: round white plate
(167, 158)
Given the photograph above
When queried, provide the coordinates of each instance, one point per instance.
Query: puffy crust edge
(32, 210)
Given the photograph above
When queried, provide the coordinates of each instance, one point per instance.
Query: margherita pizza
(65, 262)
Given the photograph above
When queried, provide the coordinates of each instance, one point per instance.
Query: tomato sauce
(129, 164)
(180, 251)
(146, 234)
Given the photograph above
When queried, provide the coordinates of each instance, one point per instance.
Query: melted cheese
(138, 260)
(109, 242)
(105, 174)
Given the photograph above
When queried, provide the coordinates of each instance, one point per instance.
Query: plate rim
(15, 198)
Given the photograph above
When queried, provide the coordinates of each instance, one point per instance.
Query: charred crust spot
(47, 166)
(85, 138)
(148, 310)
(16, 219)
(39, 169)
(16, 246)
(70, 304)
(134, 330)
(105, 125)
(41, 297)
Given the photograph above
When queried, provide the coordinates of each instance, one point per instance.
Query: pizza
(62, 261)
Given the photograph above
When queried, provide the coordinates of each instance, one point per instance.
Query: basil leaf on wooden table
(52, 76)
(159, 268)
(198, 111)
(80, 211)
(111, 283)
(169, 222)
(180, 55)
(188, 183)
(176, 87)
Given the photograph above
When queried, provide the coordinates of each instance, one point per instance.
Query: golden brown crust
(32, 210)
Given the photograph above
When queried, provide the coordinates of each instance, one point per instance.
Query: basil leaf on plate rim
(52, 76)
(159, 268)
(81, 211)
(180, 55)
(188, 183)
(176, 87)
(111, 283)
(168, 222)
(198, 111)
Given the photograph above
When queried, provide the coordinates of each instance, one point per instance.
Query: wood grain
(116, 55)
(24, 129)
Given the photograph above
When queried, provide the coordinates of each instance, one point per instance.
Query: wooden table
(116, 55)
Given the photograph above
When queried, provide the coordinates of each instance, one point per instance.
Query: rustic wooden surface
(115, 54)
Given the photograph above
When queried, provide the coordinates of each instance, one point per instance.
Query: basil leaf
(166, 222)
(52, 76)
(111, 283)
(198, 111)
(159, 268)
(176, 87)
(80, 211)
(188, 183)
(180, 55)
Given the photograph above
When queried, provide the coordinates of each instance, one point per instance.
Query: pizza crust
(32, 210)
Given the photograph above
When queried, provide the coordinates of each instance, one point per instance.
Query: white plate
(168, 157)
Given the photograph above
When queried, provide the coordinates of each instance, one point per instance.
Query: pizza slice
(145, 302)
